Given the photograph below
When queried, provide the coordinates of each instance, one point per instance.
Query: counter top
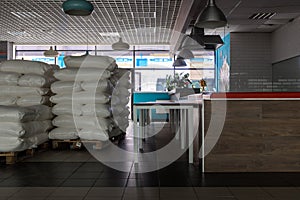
(257, 95)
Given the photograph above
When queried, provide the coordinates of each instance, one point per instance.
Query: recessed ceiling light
(17, 33)
(110, 34)
(24, 15)
(143, 14)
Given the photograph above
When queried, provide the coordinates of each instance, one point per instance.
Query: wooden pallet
(97, 145)
(73, 144)
(13, 157)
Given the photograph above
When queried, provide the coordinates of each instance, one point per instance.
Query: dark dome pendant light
(211, 17)
(78, 7)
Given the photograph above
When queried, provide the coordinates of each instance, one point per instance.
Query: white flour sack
(67, 121)
(87, 134)
(42, 112)
(33, 100)
(121, 91)
(33, 80)
(119, 101)
(101, 110)
(9, 78)
(16, 129)
(8, 101)
(88, 61)
(66, 87)
(22, 91)
(80, 98)
(16, 114)
(63, 134)
(26, 67)
(125, 73)
(36, 140)
(101, 86)
(67, 109)
(8, 144)
(91, 74)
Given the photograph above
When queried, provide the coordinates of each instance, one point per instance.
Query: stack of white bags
(25, 116)
(119, 100)
(83, 99)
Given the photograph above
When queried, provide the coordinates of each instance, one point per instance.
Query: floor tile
(78, 183)
(246, 193)
(8, 191)
(278, 193)
(177, 193)
(65, 198)
(34, 192)
(143, 192)
(26, 198)
(85, 175)
(142, 183)
(110, 183)
(105, 192)
(213, 193)
(70, 192)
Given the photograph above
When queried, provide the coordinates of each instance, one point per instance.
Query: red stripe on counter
(256, 95)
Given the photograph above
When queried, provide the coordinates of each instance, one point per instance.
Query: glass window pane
(153, 59)
(151, 80)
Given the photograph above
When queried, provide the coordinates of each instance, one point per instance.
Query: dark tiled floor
(73, 175)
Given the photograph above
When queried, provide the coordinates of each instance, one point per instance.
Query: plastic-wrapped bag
(67, 109)
(8, 101)
(119, 101)
(66, 87)
(88, 61)
(36, 140)
(16, 114)
(9, 78)
(34, 80)
(42, 112)
(89, 134)
(68, 121)
(101, 86)
(26, 67)
(91, 74)
(100, 110)
(80, 98)
(22, 91)
(16, 129)
(12, 144)
(63, 134)
(33, 100)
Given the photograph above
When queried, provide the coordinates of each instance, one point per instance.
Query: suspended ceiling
(137, 21)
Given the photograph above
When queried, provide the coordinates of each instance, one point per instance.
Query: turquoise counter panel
(152, 96)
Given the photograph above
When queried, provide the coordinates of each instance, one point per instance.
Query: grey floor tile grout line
(67, 178)
(231, 192)
(85, 196)
(195, 193)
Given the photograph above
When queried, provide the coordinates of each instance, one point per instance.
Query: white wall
(286, 41)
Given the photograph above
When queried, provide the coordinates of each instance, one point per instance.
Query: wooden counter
(261, 133)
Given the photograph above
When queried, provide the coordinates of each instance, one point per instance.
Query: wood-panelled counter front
(261, 132)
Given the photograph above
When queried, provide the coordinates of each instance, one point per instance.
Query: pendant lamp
(179, 62)
(78, 7)
(211, 17)
(186, 54)
(120, 45)
(51, 53)
(194, 41)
